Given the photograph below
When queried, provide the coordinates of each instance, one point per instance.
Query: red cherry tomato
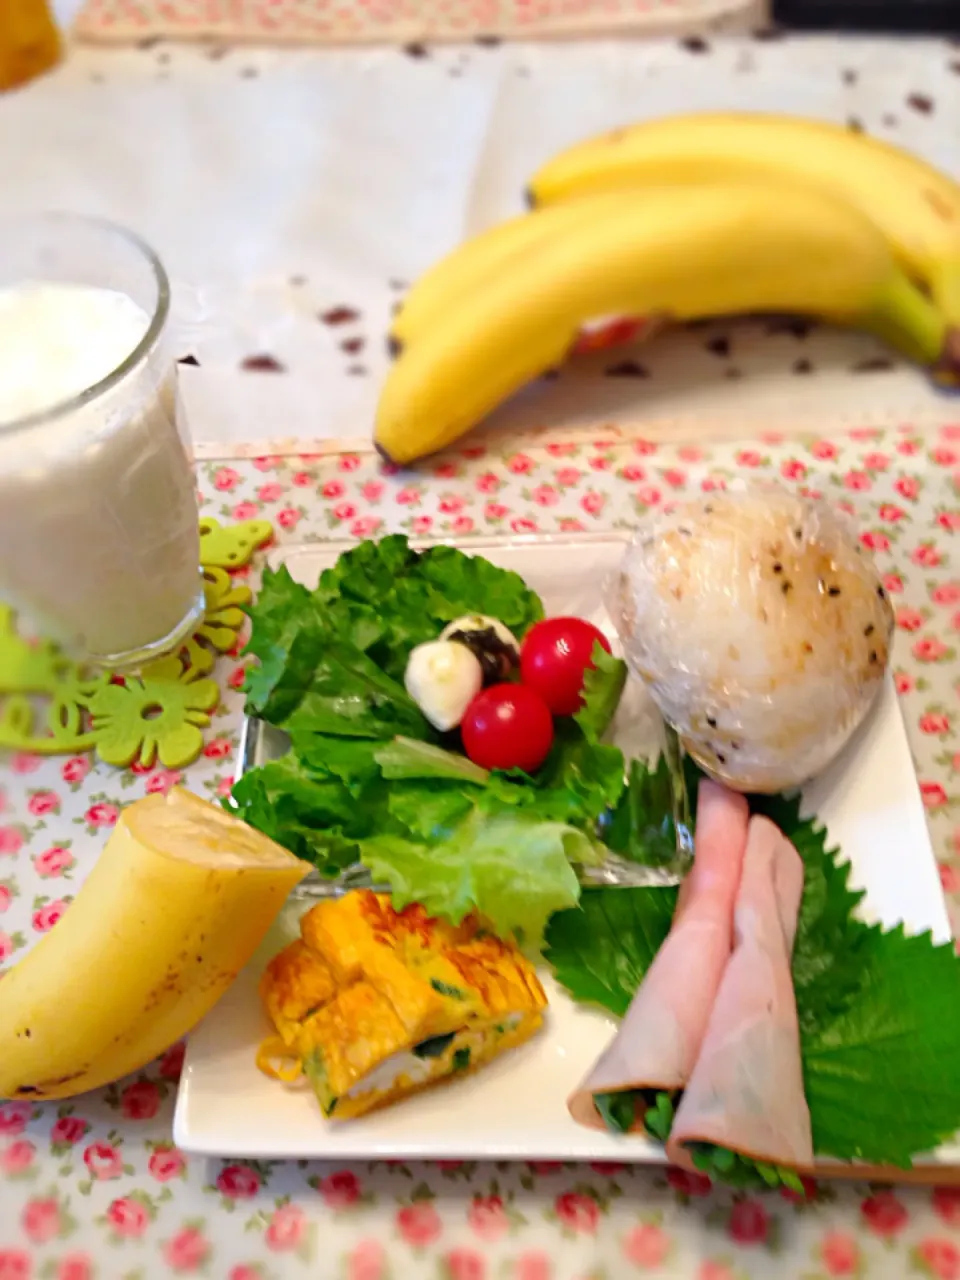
(507, 726)
(554, 658)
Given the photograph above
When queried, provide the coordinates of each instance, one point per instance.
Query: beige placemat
(295, 194)
(396, 21)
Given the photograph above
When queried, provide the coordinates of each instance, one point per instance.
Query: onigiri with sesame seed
(761, 628)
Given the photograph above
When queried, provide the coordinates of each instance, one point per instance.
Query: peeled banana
(682, 251)
(916, 207)
(175, 906)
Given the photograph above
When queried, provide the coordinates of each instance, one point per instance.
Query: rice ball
(761, 629)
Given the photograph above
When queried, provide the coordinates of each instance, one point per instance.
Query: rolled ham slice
(659, 1038)
(746, 1090)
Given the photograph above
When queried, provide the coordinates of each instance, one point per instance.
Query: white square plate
(516, 1108)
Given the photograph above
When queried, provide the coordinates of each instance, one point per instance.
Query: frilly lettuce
(368, 780)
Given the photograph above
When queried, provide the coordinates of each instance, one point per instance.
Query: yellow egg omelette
(373, 1004)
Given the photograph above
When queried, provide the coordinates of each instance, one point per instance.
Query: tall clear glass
(98, 511)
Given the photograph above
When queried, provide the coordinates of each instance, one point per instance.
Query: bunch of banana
(176, 904)
(686, 217)
(915, 207)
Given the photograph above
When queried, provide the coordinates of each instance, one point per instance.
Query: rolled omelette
(373, 1004)
(660, 1036)
(746, 1091)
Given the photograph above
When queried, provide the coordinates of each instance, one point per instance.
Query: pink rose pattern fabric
(94, 1189)
(333, 21)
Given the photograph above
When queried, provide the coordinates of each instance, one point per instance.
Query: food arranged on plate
(745, 1093)
(676, 219)
(764, 1024)
(461, 833)
(371, 779)
(659, 1039)
(707, 1057)
(372, 1004)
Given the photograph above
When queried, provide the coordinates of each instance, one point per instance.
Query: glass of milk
(98, 509)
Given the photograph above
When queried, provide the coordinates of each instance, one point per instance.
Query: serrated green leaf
(878, 1011)
(827, 960)
(579, 781)
(881, 1077)
(313, 816)
(602, 689)
(600, 950)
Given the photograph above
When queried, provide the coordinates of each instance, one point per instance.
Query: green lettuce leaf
(404, 758)
(579, 781)
(514, 868)
(367, 779)
(352, 761)
(380, 598)
(428, 813)
(313, 816)
(388, 598)
(285, 635)
(344, 693)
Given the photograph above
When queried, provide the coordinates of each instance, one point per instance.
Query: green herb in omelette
(445, 989)
(436, 1047)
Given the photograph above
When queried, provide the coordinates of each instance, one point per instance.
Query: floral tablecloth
(94, 1188)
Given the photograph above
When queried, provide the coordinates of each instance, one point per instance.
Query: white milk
(98, 515)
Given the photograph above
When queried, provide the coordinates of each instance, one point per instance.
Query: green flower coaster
(158, 713)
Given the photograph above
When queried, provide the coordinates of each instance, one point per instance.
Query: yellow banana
(451, 282)
(175, 906)
(686, 252)
(915, 206)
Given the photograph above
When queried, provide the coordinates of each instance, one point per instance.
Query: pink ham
(746, 1090)
(658, 1041)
